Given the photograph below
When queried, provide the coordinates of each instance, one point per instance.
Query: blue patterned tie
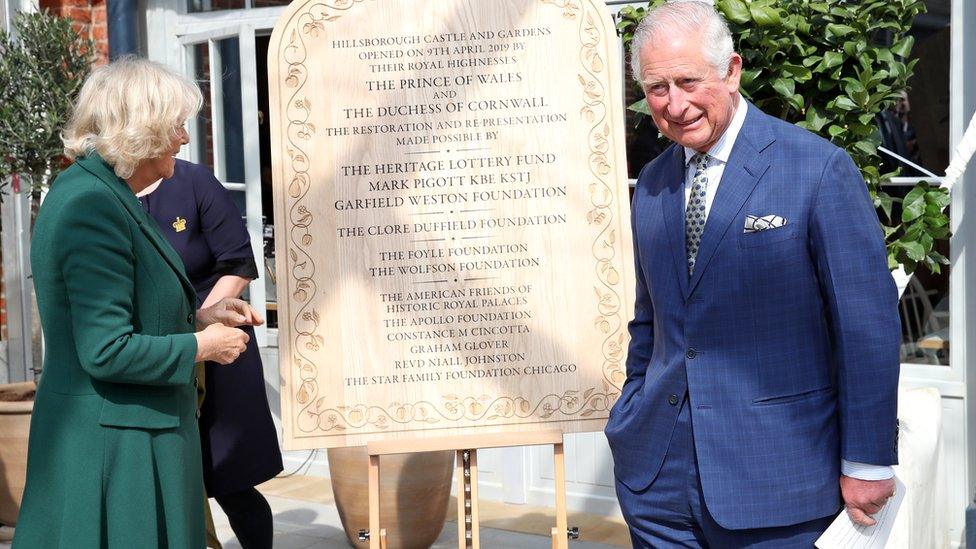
(695, 210)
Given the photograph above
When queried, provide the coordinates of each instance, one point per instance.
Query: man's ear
(734, 75)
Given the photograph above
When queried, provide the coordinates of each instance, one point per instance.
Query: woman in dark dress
(238, 437)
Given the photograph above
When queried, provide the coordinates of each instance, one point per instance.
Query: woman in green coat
(114, 456)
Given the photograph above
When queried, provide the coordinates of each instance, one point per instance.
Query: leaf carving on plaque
(596, 216)
(570, 9)
(302, 395)
(312, 28)
(355, 416)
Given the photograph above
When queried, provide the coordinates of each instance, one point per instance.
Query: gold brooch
(179, 224)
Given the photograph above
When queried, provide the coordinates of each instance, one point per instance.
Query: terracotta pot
(414, 492)
(16, 405)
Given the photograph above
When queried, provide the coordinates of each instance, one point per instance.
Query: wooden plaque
(452, 219)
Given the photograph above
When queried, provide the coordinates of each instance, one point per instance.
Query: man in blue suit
(763, 365)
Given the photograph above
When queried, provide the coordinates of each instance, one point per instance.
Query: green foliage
(823, 65)
(42, 66)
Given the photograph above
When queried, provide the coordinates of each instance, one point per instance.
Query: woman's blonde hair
(129, 111)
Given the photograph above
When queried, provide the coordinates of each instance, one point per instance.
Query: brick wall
(89, 18)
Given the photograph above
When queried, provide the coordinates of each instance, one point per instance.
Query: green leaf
(641, 107)
(932, 211)
(796, 101)
(845, 103)
(866, 147)
(903, 47)
(784, 87)
(914, 250)
(884, 55)
(839, 31)
(938, 197)
(892, 261)
(913, 204)
(840, 13)
(816, 119)
(802, 74)
(749, 76)
(735, 10)
(765, 16)
(884, 201)
(852, 85)
(832, 59)
(812, 60)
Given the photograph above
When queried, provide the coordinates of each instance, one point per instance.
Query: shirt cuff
(865, 471)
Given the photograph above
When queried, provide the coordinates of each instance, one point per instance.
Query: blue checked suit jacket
(786, 340)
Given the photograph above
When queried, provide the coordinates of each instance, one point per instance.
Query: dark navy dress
(238, 438)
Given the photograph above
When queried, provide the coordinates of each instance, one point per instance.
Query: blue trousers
(671, 512)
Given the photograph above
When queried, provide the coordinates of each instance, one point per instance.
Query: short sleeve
(223, 228)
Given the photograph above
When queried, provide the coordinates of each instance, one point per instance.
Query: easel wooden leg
(467, 498)
(473, 482)
(462, 514)
(466, 469)
(377, 538)
(562, 523)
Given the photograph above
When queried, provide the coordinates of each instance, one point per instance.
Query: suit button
(196, 381)
(673, 400)
(691, 354)
(189, 318)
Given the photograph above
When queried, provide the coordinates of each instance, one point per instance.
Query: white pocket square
(755, 223)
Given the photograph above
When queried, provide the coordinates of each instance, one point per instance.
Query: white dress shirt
(719, 158)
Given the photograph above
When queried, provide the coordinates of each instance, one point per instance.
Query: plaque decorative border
(314, 418)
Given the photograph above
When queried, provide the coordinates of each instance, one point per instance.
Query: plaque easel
(466, 464)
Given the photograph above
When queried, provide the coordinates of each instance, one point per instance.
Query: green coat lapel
(95, 165)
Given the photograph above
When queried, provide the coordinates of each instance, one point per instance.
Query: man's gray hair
(693, 17)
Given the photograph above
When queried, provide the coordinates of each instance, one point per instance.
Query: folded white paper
(844, 533)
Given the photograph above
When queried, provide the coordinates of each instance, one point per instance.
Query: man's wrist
(865, 471)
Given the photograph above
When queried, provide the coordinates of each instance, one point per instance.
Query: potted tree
(43, 63)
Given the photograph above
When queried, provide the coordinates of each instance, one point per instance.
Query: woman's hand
(220, 343)
(229, 311)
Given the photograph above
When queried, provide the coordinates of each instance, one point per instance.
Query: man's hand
(229, 311)
(865, 497)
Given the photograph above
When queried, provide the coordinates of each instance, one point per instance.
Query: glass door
(224, 136)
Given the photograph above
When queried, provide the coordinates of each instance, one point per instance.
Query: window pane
(203, 141)
(230, 53)
(194, 6)
(229, 108)
(917, 127)
(921, 133)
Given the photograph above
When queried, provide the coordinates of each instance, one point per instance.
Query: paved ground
(303, 524)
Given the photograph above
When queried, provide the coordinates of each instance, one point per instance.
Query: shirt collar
(722, 148)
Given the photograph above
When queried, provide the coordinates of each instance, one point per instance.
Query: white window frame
(171, 34)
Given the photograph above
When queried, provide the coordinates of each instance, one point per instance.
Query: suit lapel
(673, 204)
(97, 167)
(746, 166)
